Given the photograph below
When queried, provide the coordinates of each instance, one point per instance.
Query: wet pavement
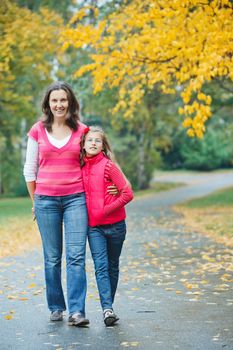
(175, 289)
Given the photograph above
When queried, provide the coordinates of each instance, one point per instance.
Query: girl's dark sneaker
(110, 317)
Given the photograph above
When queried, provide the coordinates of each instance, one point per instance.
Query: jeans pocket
(43, 202)
(41, 197)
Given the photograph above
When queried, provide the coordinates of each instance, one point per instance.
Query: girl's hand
(113, 190)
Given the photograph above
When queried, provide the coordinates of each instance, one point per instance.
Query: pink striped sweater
(59, 172)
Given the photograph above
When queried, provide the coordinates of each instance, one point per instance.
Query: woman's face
(58, 103)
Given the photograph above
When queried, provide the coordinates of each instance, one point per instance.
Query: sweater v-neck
(56, 149)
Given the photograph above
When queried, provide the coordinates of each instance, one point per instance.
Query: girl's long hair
(106, 146)
(73, 106)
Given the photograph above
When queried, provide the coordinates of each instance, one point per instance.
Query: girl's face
(58, 103)
(93, 144)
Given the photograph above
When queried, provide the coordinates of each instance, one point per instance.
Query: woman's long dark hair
(73, 106)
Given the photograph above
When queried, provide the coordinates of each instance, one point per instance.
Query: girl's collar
(95, 159)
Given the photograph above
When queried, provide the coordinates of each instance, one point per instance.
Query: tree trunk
(142, 183)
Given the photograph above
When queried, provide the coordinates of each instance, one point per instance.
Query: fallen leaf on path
(191, 286)
(8, 317)
(12, 297)
(37, 292)
(129, 343)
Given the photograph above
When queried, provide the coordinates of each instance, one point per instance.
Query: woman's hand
(113, 190)
(33, 212)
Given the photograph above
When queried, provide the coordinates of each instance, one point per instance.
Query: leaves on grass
(22, 238)
(215, 223)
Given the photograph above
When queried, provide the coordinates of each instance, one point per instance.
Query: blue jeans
(51, 214)
(106, 243)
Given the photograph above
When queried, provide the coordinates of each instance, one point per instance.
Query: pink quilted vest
(95, 185)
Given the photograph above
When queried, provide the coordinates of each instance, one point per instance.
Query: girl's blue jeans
(53, 214)
(106, 243)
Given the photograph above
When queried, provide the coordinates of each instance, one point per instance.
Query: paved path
(175, 290)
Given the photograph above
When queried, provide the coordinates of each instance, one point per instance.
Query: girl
(106, 214)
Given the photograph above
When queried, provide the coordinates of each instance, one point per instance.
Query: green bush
(214, 151)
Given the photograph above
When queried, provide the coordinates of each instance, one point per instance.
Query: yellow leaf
(129, 343)
(37, 292)
(204, 282)
(12, 297)
(8, 317)
(191, 286)
(184, 273)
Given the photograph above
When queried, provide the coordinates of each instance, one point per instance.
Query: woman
(57, 193)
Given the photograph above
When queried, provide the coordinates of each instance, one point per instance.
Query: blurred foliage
(176, 44)
(215, 150)
(64, 8)
(28, 49)
(31, 57)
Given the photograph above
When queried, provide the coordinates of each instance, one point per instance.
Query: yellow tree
(179, 45)
(27, 47)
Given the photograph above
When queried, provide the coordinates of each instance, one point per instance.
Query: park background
(157, 75)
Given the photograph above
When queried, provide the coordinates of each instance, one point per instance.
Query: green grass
(222, 198)
(158, 187)
(21, 207)
(15, 207)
